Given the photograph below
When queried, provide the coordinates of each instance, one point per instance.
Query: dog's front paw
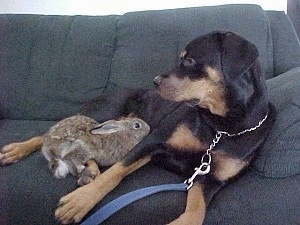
(12, 153)
(74, 206)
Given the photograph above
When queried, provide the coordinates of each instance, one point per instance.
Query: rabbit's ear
(107, 128)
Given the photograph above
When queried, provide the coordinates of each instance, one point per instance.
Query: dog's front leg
(14, 152)
(195, 208)
(74, 206)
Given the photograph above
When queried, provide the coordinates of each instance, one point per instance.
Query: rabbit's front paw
(85, 177)
(89, 173)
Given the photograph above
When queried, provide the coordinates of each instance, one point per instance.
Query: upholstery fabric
(263, 201)
(283, 42)
(50, 65)
(280, 156)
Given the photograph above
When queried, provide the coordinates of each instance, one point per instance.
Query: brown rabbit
(72, 142)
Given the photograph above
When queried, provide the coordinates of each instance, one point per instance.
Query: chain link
(245, 131)
(206, 159)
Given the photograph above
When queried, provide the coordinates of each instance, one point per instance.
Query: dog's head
(214, 73)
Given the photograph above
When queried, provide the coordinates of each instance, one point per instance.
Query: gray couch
(51, 65)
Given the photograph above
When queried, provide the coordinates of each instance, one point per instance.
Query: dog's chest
(224, 165)
(184, 139)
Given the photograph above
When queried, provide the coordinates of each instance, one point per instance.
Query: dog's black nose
(157, 81)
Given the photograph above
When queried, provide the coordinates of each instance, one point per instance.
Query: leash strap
(114, 206)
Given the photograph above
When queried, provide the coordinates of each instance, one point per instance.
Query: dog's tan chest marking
(226, 166)
(183, 138)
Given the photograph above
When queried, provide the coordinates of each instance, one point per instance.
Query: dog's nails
(2, 159)
(4, 149)
(57, 220)
(60, 204)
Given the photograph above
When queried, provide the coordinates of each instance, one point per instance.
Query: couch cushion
(280, 155)
(150, 42)
(256, 200)
(283, 42)
(49, 65)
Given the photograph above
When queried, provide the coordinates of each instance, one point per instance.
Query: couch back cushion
(286, 47)
(51, 64)
(280, 155)
(150, 42)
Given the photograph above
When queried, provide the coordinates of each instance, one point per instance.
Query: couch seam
(114, 49)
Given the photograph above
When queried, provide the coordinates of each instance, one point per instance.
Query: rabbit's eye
(136, 125)
(51, 166)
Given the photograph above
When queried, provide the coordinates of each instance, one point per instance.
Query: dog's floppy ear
(237, 54)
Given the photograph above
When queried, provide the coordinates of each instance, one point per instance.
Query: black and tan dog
(218, 86)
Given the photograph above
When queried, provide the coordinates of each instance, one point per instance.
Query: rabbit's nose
(157, 81)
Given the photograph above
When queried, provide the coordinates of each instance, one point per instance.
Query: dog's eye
(188, 62)
(136, 125)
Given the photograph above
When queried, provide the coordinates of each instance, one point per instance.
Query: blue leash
(114, 206)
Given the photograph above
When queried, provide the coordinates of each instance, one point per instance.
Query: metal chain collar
(206, 159)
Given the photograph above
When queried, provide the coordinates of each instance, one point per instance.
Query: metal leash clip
(203, 169)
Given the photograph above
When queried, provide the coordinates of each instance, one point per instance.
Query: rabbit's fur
(70, 143)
